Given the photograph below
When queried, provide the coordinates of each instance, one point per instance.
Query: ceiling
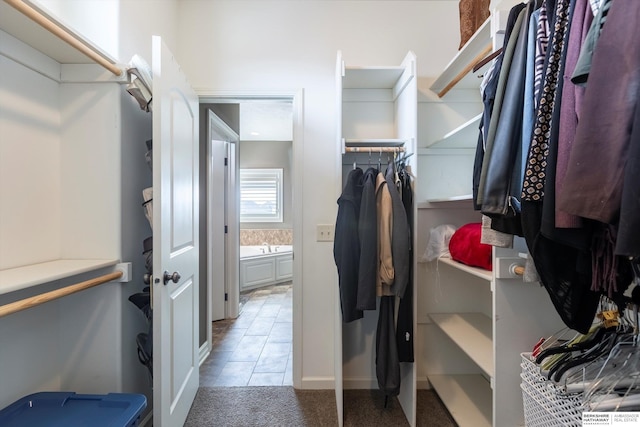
(266, 121)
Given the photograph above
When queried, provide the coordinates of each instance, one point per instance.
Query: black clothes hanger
(600, 349)
(401, 159)
(603, 349)
(584, 345)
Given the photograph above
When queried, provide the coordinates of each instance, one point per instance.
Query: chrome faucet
(267, 245)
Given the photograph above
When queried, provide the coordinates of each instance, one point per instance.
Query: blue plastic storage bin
(68, 409)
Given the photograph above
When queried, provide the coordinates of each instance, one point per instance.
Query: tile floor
(256, 348)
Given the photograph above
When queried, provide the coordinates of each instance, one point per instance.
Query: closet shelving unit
(64, 132)
(453, 151)
(474, 322)
(377, 119)
(51, 60)
(464, 332)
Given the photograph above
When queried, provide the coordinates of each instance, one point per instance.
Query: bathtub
(259, 267)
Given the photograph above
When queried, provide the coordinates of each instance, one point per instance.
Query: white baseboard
(359, 383)
(328, 383)
(204, 352)
(422, 383)
(318, 383)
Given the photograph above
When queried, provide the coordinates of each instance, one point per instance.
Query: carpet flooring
(285, 406)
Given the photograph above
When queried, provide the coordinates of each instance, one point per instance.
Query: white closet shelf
(14, 279)
(475, 271)
(371, 77)
(464, 136)
(472, 333)
(453, 202)
(463, 61)
(427, 203)
(467, 397)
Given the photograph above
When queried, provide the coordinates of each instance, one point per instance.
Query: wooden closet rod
(64, 34)
(374, 150)
(58, 293)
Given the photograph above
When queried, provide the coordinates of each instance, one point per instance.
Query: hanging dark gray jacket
(346, 245)
(368, 234)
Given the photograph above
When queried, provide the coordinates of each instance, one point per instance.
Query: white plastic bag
(438, 242)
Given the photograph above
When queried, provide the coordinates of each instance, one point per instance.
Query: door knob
(175, 277)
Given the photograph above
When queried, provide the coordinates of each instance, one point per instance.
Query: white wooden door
(216, 218)
(221, 220)
(175, 240)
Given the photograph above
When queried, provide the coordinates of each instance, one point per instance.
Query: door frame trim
(296, 96)
(230, 137)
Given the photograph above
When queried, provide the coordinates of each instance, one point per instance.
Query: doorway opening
(251, 339)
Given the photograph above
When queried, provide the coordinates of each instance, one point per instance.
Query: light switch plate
(324, 232)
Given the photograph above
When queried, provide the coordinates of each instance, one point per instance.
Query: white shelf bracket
(126, 269)
(508, 268)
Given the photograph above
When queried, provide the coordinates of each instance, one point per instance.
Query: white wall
(256, 46)
(30, 214)
(141, 19)
(95, 20)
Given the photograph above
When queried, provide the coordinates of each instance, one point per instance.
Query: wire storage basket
(544, 404)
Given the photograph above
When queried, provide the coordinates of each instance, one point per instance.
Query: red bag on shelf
(465, 247)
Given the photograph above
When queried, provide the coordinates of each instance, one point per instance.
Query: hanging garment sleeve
(404, 327)
(400, 238)
(387, 363)
(346, 246)
(368, 235)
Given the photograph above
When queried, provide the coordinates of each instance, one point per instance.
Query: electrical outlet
(324, 233)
